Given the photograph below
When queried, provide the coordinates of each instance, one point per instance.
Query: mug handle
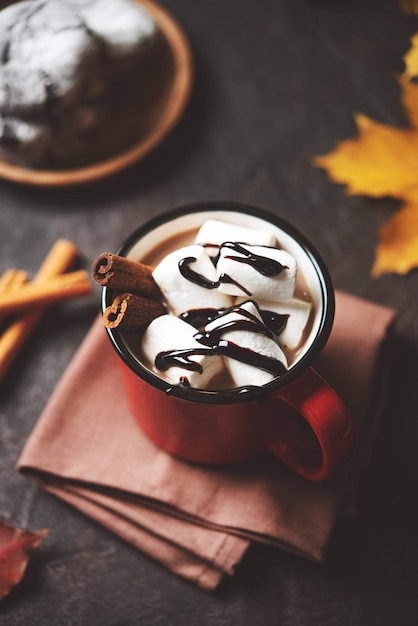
(312, 432)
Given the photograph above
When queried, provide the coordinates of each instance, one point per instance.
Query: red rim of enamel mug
(247, 393)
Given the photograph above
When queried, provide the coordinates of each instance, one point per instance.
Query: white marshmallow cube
(168, 332)
(298, 311)
(249, 282)
(180, 293)
(243, 373)
(213, 233)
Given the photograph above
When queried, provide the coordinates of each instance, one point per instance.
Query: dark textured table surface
(277, 82)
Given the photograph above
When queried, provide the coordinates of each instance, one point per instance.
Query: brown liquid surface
(179, 240)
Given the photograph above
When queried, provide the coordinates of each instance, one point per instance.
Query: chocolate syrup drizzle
(213, 344)
(199, 318)
(211, 341)
(263, 265)
(181, 358)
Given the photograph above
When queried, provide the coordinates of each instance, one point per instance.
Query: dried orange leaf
(381, 161)
(16, 546)
(398, 246)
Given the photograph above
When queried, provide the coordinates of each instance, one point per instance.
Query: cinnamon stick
(56, 289)
(59, 259)
(131, 312)
(12, 279)
(125, 275)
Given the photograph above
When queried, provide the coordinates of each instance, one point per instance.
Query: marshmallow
(298, 311)
(168, 332)
(246, 279)
(216, 232)
(243, 373)
(180, 293)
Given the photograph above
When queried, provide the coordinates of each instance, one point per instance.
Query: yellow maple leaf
(397, 250)
(383, 161)
(411, 58)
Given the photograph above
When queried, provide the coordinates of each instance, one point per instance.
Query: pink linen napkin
(199, 520)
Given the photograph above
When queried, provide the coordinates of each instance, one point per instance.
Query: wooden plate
(169, 111)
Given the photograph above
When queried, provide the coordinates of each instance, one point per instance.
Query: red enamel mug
(297, 415)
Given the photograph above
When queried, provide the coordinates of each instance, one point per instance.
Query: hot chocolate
(217, 333)
(239, 311)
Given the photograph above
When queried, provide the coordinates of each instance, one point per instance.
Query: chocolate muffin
(78, 79)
